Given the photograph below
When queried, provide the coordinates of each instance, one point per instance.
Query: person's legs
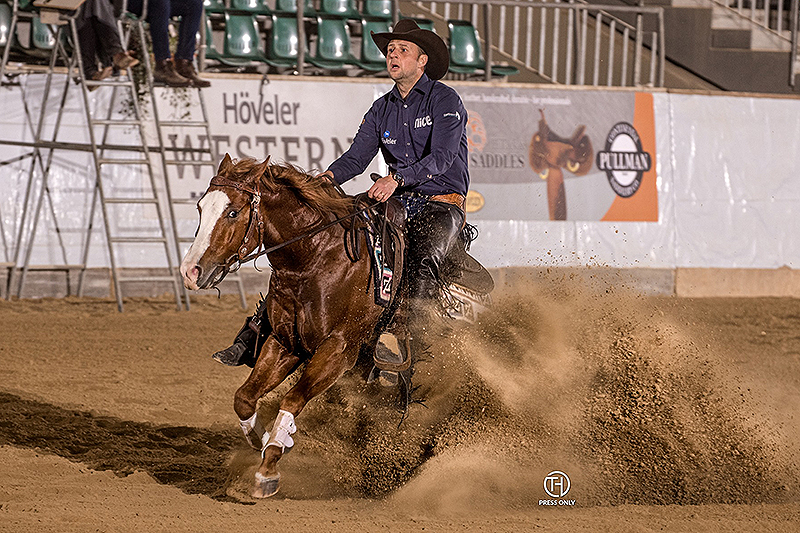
(105, 27)
(87, 41)
(191, 13)
(158, 14)
(431, 234)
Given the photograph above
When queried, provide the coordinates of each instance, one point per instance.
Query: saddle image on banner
(559, 155)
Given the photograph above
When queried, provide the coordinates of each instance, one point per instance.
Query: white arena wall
(724, 183)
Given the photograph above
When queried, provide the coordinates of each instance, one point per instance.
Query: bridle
(255, 228)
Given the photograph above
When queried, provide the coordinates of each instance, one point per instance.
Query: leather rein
(255, 228)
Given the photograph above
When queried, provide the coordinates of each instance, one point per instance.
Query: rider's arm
(449, 123)
(363, 150)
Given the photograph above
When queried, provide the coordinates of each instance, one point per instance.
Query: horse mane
(318, 193)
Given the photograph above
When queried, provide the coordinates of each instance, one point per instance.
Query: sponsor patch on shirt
(453, 114)
(422, 122)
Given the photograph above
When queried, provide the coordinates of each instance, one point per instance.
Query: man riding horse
(420, 128)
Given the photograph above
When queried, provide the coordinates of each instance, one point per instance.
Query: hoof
(265, 486)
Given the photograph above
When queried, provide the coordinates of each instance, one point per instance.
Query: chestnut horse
(318, 304)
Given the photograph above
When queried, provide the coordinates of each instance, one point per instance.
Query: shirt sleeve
(449, 123)
(363, 150)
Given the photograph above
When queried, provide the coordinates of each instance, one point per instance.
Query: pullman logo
(623, 160)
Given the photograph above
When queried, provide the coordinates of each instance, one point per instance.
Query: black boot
(242, 351)
(247, 344)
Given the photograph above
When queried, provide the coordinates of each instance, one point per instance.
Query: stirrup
(392, 353)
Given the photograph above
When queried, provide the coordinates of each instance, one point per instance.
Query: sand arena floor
(668, 414)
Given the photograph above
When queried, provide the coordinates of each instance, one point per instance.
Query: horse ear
(261, 169)
(225, 165)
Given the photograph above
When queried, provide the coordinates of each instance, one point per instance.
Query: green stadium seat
(371, 57)
(214, 6)
(340, 8)
(333, 44)
(425, 24)
(290, 6)
(466, 56)
(211, 48)
(43, 36)
(377, 9)
(242, 40)
(283, 41)
(5, 23)
(256, 7)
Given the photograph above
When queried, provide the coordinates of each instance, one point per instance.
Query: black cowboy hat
(433, 45)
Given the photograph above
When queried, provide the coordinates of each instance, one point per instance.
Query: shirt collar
(423, 85)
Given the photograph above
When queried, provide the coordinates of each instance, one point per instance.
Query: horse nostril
(196, 271)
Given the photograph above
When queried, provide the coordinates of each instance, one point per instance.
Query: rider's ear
(225, 165)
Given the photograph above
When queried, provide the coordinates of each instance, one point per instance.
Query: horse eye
(233, 213)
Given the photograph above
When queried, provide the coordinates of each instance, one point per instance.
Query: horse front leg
(272, 367)
(329, 362)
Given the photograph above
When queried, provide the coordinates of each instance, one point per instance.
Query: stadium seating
(333, 44)
(377, 9)
(372, 59)
(340, 8)
(466, 56)
(214, 6)
(242, 41)
(290, 6)
(256, 7)
(5, 23)
(283, 40)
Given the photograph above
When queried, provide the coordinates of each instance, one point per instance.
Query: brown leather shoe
(99, 75)
(165, 73)
(185, 68)
(124, 60)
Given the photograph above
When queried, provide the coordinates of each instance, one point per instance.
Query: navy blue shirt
(423, 138)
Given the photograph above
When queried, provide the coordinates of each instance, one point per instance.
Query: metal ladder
(194, 157)
(34, 196)
(105, 156)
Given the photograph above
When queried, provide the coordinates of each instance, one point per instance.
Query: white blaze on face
(212, 207)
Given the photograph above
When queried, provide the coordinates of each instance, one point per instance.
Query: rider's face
(405, 61)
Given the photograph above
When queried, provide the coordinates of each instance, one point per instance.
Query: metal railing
(565, 42)
(770, 15)
(794, 21)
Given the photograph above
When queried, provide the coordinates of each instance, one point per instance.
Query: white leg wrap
(282, 430)
(248, 424)
(254, 432)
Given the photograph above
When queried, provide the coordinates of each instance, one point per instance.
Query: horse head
(230, 224)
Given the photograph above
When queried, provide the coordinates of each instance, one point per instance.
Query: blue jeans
(158, 14)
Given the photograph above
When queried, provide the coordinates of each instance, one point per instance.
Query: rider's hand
(382, 189)
(328, 175)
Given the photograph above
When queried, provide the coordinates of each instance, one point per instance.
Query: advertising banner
(561, 155)
(305, 123)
